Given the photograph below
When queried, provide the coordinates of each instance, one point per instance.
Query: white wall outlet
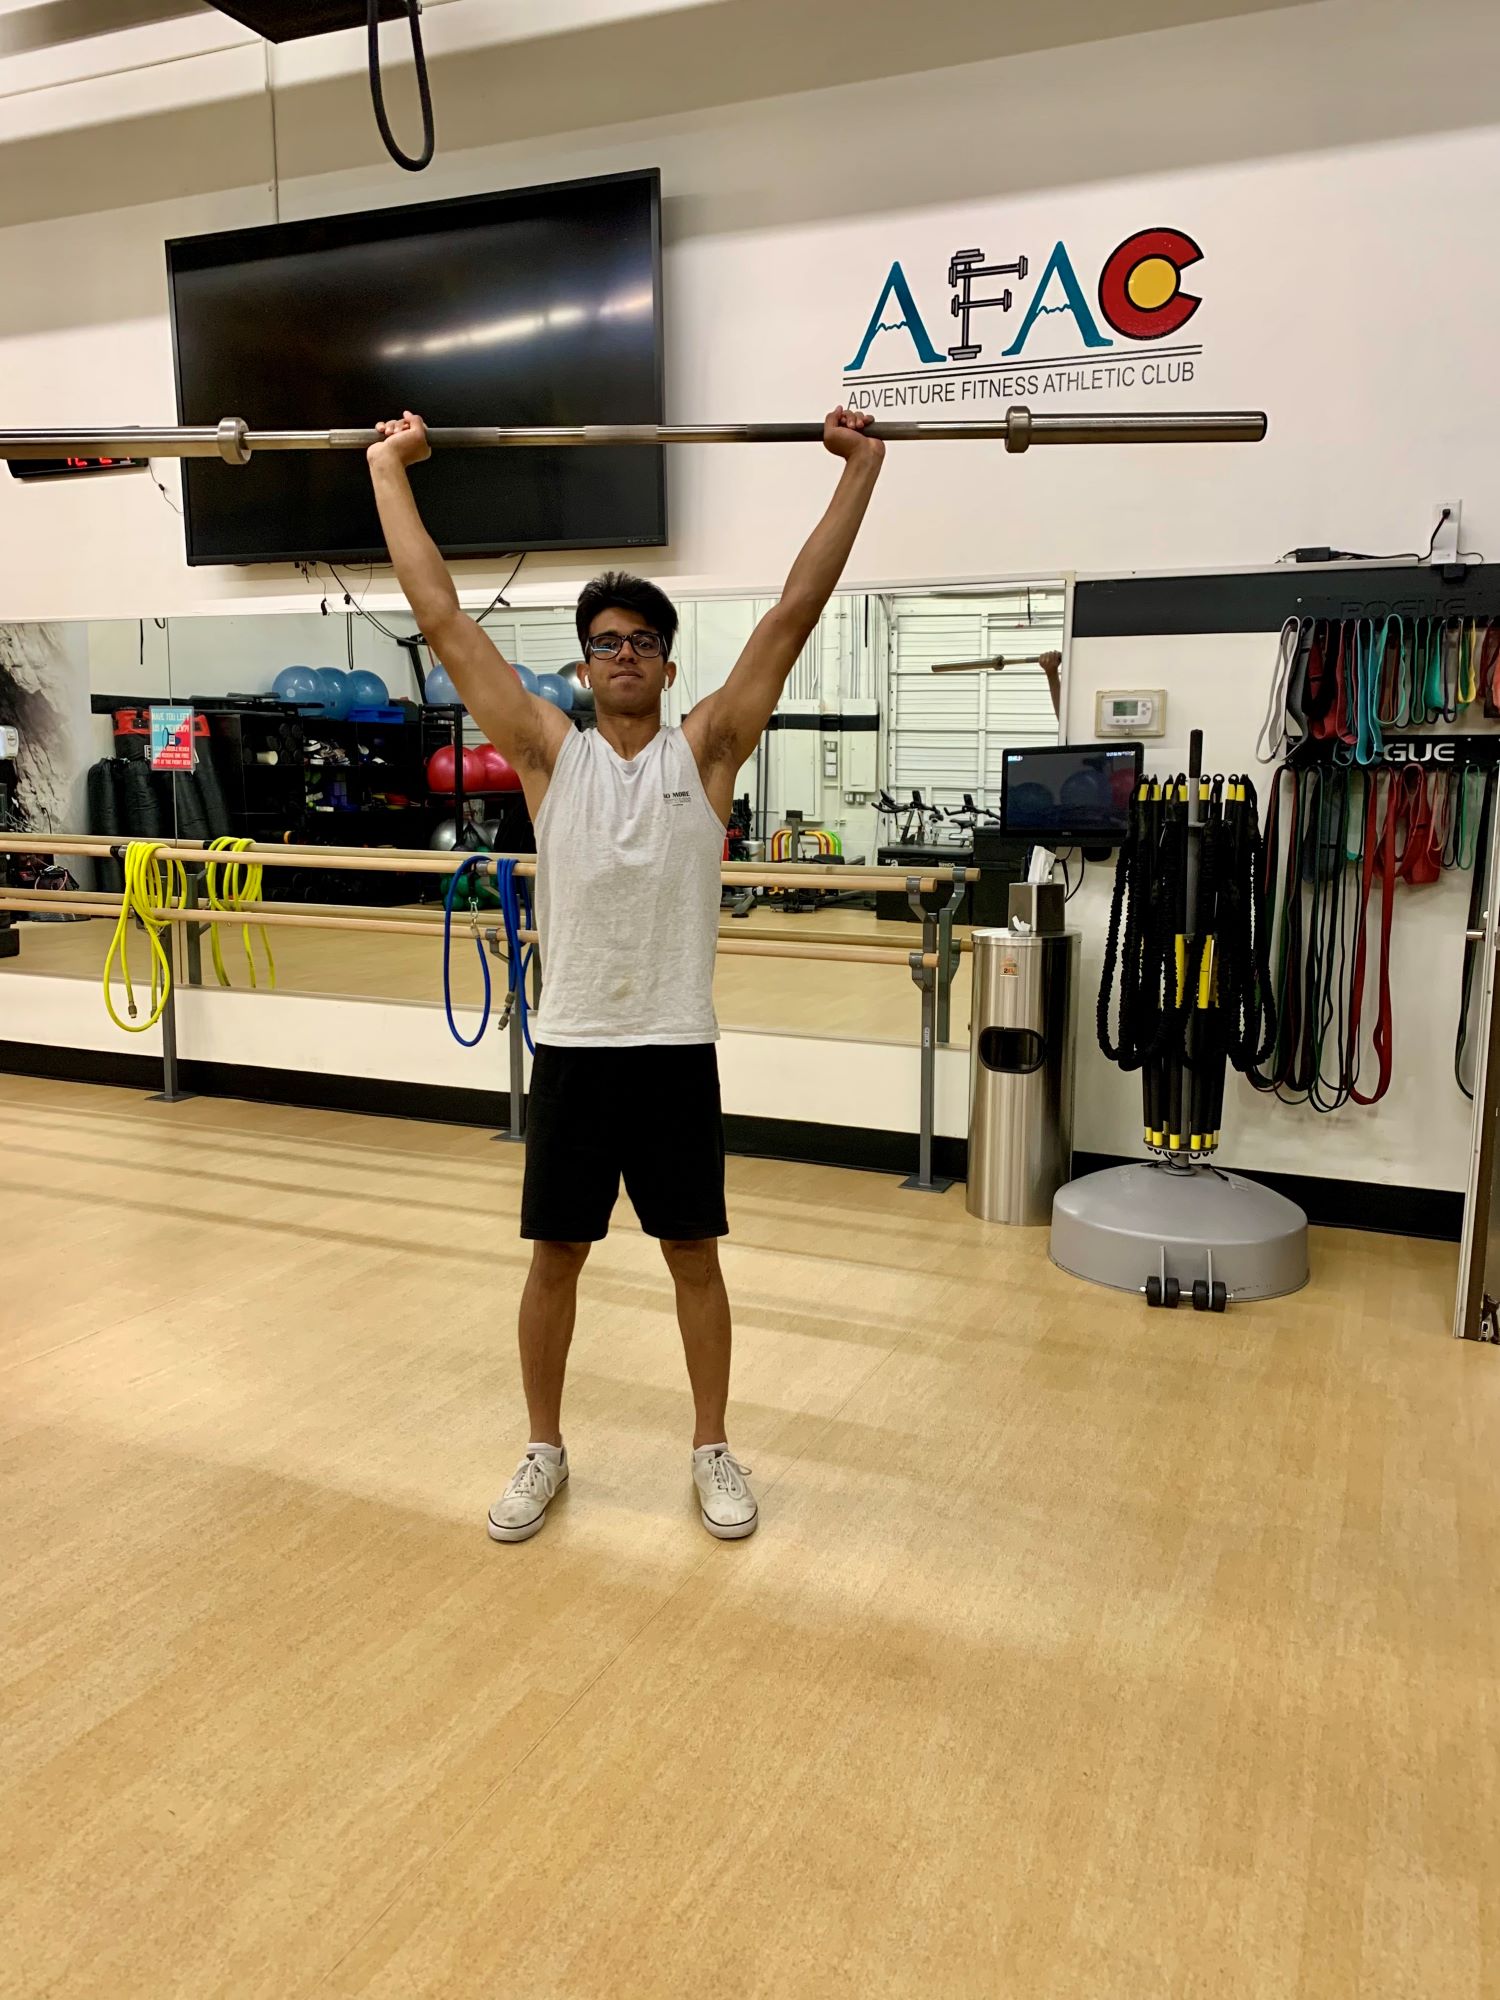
(1445, 519)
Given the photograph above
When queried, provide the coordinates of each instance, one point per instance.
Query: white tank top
(627, 896)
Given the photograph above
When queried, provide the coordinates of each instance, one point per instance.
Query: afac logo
(1139, 297)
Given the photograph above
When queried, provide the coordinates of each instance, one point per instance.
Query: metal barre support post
(931, 969)
(235, 443)
(171, 1091)
(514, 1030)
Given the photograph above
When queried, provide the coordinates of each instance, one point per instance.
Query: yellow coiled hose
(152, 886)
(230, 887)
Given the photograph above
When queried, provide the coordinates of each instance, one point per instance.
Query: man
(629, 820)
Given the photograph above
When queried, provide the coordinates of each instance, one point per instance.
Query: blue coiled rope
(515, 908)
(464, 1041)
(516, 912)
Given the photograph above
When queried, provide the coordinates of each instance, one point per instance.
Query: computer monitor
(1070, 794)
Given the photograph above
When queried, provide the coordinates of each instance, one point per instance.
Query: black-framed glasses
(645, 645)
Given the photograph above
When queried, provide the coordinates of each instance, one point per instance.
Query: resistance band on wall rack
(1331, 831)
(1342, 683)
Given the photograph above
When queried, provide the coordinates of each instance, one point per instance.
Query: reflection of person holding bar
(629, 821)
(1051, 666)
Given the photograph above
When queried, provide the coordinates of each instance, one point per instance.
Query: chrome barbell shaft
(997, 665)
(1019, 429)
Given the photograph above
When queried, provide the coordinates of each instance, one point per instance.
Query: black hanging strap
(377, 91)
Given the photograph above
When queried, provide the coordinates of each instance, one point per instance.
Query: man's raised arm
(527, 731)
(725, 726)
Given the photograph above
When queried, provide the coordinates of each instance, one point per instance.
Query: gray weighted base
(1116, 1228)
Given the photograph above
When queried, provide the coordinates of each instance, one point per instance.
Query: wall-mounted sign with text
(172, 738)
(1024, 332)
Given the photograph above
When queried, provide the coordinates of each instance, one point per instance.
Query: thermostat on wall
(1130, 712)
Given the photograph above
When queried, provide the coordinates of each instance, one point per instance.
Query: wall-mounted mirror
(886, 748)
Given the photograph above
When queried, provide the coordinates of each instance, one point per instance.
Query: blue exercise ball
(301, 685)
(335, 684)
(441, 693)
(526, 677)
(553, 688)
(367, 690)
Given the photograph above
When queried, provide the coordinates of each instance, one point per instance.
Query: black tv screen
(1071, 793)
(537, 306)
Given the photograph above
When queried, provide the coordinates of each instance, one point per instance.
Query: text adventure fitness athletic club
(1020, 332)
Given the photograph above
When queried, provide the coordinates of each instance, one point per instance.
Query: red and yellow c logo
(1140, 287)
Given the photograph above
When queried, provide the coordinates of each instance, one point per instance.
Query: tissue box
(1036, 905)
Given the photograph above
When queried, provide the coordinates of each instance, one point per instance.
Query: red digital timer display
(56, 468)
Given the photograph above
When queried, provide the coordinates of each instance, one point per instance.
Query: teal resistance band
(1396, 682)
(1368, 741)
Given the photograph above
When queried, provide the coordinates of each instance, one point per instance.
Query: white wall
(1318, 155)
(1339, 166)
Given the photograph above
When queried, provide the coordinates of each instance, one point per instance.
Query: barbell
(1019, 429)
(996, 665)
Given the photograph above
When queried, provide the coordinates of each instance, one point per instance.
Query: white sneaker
(728, 1505)
(522, 1507)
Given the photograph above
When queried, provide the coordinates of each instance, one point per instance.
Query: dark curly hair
(631, 593)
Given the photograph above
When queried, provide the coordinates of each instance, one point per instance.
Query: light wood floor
(870, 1002)
(1083, 1651)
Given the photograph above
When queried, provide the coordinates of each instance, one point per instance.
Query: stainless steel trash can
(1021, 1050)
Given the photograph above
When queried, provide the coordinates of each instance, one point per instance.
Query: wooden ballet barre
(232, 441)
(419, 860)
(82, 903)
(281, 918)
(375, 861)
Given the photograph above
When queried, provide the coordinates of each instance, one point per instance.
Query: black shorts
(648, 1115)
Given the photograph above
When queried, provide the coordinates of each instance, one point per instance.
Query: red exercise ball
(499, 776)
(440, 769)
(474, 779)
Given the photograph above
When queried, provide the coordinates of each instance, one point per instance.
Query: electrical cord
(353, 603)
(163, 491)
(1401, 555)
(400, 638)
(413, 164)
(499, 597)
